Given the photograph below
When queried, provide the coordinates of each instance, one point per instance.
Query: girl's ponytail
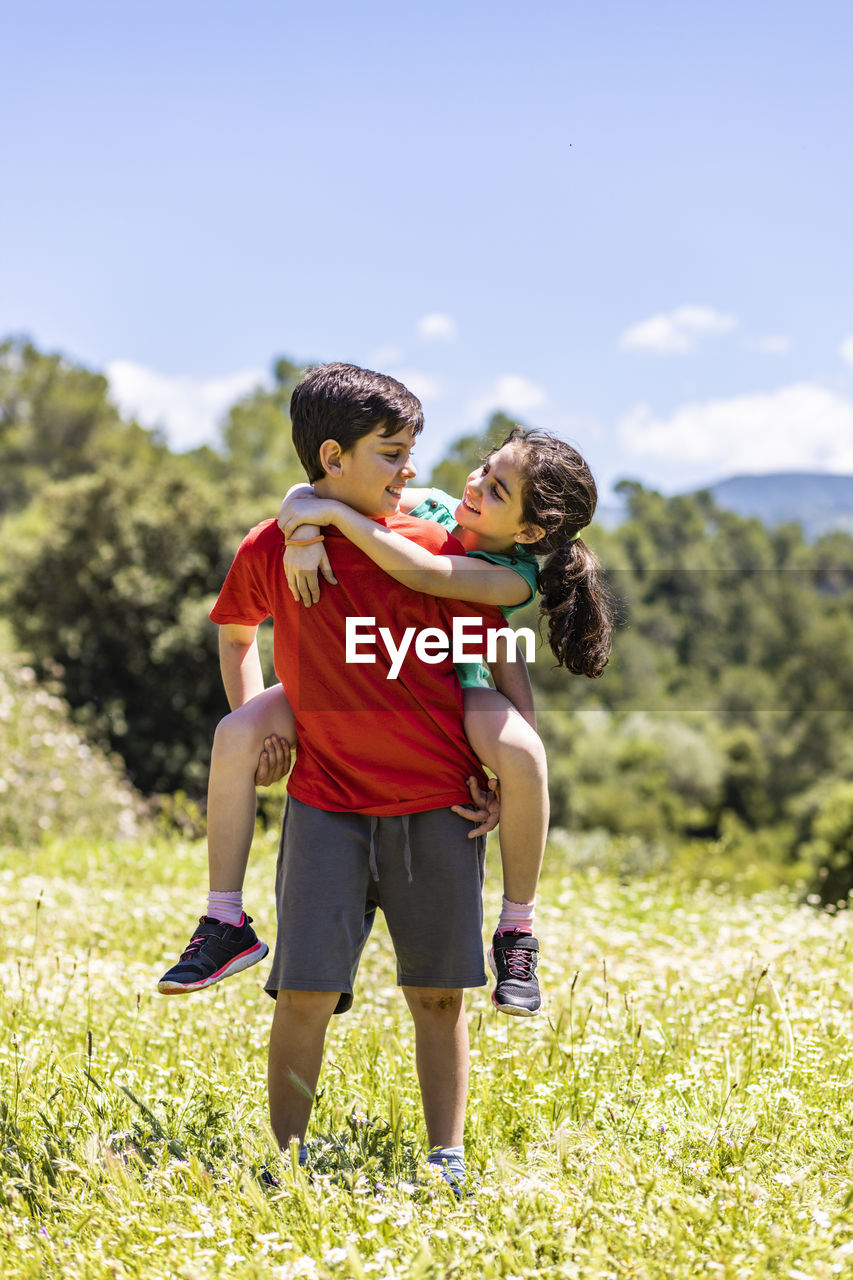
(560, 497)
(577, 604)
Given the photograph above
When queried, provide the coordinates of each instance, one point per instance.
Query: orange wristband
(304, 542)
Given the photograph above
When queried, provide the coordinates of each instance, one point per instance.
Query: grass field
(684, 1109)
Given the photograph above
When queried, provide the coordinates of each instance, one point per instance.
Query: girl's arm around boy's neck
(304, 531)
(451, 577)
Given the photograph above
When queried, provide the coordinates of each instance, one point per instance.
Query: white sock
(225, 905)
(516, 916)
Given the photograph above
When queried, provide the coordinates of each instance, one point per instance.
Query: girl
(520, 520)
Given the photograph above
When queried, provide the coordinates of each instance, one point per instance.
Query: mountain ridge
(820, 501)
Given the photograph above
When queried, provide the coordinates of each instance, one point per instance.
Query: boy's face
(370, 476)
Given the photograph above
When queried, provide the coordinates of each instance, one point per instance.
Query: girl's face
(491, 503)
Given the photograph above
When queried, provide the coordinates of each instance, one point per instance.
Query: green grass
(683, 1110)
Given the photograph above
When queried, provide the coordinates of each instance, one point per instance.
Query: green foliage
(256, 436)
(51, 779)
(119, 547)
(642, 775)
(726, 705)
(744, 634)
(56, 420)
(827, 846)
(112, 576)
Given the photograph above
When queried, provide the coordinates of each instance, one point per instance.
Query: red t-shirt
(367, 744)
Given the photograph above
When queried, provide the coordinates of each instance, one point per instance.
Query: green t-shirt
(440, 506)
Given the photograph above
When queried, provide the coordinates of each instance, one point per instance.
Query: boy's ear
(330, 454)
(529, 533)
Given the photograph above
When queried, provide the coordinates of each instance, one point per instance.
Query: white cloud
(510, 392)
(802, 427)
(437, 327)
(774, 344)
(188, 410)
(676, 332)
(424, 385)
(847, 350)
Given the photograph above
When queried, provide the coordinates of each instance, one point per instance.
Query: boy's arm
(240, 663)
(512, 679)
(452, 577)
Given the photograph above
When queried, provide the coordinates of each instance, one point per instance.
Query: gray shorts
(335, 869)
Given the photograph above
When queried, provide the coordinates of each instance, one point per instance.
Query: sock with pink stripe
(226, 906)
(516, 916)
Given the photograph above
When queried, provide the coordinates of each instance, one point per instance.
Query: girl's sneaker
(513, 959)
(215, 951)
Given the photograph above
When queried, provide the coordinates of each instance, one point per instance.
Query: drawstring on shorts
(407, 848)
(374, 870)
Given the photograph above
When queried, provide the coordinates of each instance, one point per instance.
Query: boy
(380, 762)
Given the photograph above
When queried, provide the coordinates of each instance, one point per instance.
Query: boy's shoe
(513, 959)
(456, 1180)
(216, 950)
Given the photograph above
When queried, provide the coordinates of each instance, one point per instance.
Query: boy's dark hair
(343, 402)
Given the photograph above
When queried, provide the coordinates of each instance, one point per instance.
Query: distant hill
(816, 500)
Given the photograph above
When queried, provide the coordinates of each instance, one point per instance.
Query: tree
(112, 576)
(119, 546)
(257, 435)
(56, 420)
(828, 847)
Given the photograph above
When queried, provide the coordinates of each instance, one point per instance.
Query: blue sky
(627, 223)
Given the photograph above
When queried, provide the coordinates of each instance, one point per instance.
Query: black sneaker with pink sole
(513, 960)
(215, 951)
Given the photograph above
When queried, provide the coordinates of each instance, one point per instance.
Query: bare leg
(441, 1046)
(296, 1054)
(231, 804)
(504, 741)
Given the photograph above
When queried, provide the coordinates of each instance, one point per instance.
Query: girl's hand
(273, 762)
(300, 569)
(308, 510)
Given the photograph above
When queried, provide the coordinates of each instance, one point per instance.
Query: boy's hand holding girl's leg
(273, 762)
